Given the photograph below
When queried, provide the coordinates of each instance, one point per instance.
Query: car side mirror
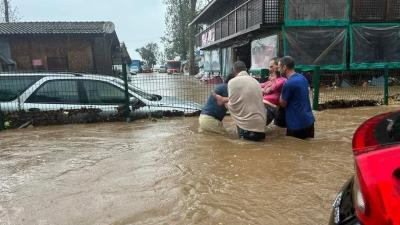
(136, 103)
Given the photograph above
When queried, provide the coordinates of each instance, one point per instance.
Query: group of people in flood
(283, 98)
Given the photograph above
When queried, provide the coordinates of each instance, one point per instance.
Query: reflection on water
(164, 172)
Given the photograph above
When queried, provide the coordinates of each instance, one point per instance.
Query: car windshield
(173, 65)
(148, 96)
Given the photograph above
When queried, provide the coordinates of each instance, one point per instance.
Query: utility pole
(6, 11)
(192, 37)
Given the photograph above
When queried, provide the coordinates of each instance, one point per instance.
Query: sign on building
(262, 51)
(208, 37)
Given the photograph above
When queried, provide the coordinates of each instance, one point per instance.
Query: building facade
(60, 46)
(334, 35)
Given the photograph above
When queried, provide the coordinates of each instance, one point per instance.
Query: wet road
(164, 172)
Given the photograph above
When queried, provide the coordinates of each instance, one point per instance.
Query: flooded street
(165, 172)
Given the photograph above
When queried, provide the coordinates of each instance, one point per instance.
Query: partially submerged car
(372, 196)
(67, 91)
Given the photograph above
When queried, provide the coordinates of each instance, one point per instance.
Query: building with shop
(334, 35)
(60, 46)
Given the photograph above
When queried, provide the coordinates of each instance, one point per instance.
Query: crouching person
(212, 114)
(245, 104)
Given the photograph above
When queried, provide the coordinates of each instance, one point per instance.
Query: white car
(156, 68)
(44, 92)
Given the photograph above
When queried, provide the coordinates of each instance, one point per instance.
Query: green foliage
(177, 22)
(149, 53)
(177, 35)
(12, 11)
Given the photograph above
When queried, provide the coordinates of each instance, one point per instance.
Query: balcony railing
(244, 17)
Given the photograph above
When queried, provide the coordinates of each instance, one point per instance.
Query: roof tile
(56, 28)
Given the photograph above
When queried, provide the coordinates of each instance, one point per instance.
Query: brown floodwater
(165, 172)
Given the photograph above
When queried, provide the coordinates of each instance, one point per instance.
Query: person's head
(275, 74)
(229, 77)
(273, 65)
(238, 67)
(286, 65)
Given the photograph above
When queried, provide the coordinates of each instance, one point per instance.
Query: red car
(372, 196)
(173, 67)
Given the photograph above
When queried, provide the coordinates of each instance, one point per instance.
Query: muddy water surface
(164, 172)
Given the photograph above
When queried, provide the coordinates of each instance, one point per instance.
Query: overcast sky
(137, 22)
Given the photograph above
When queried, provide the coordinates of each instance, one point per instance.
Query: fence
(61, 98)
(333, 89)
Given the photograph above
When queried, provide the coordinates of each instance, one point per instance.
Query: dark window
(99, 92)
(13, 86)
(174, 65)
(57, 91)
(57, 63)
(388, 130)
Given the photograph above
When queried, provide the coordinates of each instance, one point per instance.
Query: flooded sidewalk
(165, 172)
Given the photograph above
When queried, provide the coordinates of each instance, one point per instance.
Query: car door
(54, 95)
(105, 96)
(11, 88)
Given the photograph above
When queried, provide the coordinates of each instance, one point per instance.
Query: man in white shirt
(245, 104)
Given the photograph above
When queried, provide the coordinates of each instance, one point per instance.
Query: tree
(201, 4)
(176, 35)
(8, 12)
(179, 37)
(149, 53)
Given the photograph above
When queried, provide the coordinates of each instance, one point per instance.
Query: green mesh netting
(317, 13)
(374, 45)
(316, 46)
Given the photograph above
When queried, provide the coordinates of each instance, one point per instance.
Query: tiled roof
(56, 28)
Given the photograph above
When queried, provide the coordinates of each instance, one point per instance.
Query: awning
(5, 53)
(6, 60)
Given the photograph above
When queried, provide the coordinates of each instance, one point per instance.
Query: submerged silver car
(48, 92)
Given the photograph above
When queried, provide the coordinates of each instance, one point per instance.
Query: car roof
(61, 74)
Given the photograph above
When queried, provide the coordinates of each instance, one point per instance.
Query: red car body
(173, 67)
(374, 193)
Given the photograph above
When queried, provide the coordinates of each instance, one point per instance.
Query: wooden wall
(79, 54)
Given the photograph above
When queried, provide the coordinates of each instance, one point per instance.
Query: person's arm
(267, 87)
(282, 102)
(285, 96)
(220, 99)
